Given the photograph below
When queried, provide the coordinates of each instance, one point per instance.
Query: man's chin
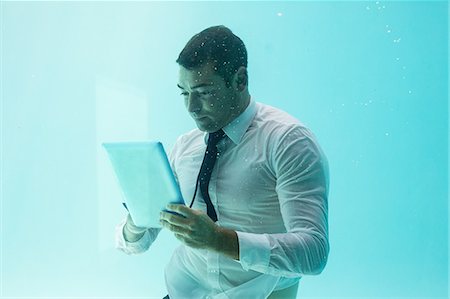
(201, 127)
(208, 129)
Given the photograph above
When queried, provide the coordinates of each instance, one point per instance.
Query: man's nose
(193, 104)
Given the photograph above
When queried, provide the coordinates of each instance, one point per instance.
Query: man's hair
(217, 45)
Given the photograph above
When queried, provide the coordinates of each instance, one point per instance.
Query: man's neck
(244, 104)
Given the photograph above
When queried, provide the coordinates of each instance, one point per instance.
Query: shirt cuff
(254, 251)
(139, 246)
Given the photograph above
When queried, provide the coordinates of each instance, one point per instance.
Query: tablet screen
(146, 179)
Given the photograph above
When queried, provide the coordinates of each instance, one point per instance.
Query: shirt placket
(213, 270)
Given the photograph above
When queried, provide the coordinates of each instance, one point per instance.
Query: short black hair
(217, 45)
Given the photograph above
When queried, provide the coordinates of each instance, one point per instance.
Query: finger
(186, 240)
(174, 228)
(174, 219)
(179, 237)
(181, 209)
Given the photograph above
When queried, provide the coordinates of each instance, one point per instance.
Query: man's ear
(242, 77)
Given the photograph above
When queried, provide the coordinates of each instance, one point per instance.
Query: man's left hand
(195, 229)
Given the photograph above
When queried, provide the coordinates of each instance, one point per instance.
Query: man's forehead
(200, 77)
(204, 70)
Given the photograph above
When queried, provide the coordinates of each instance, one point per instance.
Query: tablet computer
(146, 179)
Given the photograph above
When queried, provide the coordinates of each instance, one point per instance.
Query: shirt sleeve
(141, 245)
(302, 173)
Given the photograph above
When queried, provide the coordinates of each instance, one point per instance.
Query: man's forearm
(228, 243)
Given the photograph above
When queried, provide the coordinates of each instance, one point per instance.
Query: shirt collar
(237, 128)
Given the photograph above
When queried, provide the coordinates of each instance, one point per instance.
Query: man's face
(209, 102)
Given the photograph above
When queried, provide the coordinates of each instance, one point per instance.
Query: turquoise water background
(370, 79)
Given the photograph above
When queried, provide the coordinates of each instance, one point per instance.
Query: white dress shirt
(270, 184)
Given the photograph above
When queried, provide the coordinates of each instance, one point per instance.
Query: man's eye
(203, 93)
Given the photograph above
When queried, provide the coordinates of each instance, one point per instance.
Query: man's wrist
(227, 242)
(131, 235)
(134, 229)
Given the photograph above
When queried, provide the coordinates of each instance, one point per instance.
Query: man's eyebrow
(197, 86)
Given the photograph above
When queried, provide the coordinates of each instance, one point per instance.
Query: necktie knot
(215, 137)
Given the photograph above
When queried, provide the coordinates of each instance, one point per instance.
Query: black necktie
(205, 171)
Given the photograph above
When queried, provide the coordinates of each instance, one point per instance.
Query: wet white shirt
(270, 184)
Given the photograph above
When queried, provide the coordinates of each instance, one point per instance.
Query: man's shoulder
(277, 122)
(281, 130)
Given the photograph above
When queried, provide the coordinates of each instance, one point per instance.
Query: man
(260, 220)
